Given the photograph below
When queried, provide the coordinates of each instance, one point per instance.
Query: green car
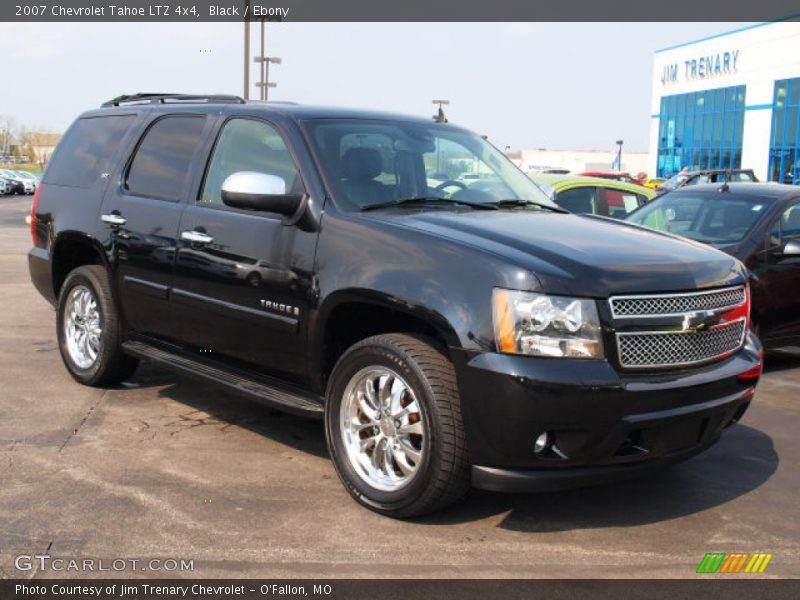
(594, 195)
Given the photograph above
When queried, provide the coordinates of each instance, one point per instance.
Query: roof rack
(148, 98)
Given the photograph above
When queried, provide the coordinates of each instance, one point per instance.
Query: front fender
(446, 283)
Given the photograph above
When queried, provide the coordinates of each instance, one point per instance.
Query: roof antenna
(440, 117)
(724, 187)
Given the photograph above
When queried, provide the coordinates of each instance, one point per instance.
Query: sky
(578, 86)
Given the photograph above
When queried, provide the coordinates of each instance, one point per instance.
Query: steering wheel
(446, 184)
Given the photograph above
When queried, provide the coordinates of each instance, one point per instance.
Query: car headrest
(361, 164)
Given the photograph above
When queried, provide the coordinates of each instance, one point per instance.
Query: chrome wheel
(82, 327)
(382, 428)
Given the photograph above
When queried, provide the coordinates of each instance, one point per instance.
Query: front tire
(89, 329)
(393, 426)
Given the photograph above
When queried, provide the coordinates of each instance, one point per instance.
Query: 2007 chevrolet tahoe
(451, 330)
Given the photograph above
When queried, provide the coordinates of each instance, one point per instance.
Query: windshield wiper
(507, 202)
(427, 200)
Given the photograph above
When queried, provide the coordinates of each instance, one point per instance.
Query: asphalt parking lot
(163, 467)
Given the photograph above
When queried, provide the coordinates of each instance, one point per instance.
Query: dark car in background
(684, 178)
(758, 224)
(14, 184)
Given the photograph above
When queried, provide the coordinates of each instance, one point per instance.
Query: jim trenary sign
(701, 67)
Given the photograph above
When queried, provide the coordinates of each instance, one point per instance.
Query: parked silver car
(28, 187)
(29, 180)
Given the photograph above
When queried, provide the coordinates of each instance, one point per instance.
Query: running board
(261, 388)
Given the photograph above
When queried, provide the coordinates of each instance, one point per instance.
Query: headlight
(551, 326)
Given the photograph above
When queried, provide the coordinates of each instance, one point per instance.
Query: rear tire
(393, 426)
(89, 329)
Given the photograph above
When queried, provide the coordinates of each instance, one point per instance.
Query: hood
(579, 255)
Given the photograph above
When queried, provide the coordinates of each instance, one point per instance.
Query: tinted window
(741, 177)
(163, 158)
(85, 152)
(722, 219)
(578, 200)
(248, 145)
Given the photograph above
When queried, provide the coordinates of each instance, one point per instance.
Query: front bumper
(605, 424)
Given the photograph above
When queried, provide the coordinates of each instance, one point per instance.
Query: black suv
(339, 263)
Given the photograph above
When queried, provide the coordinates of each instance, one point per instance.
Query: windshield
(377, 162)
(714, 219)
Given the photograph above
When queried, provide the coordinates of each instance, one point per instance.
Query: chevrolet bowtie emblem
(700, 320)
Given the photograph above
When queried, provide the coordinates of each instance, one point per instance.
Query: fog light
(541, 443)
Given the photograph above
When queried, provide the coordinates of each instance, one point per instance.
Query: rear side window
(620, 203)
(578, 200)
(162, 161)
(744, 176)
(86, 150)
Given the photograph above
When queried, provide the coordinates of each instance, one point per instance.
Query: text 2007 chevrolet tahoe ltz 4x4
(451, 330)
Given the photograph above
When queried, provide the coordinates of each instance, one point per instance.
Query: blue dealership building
(729, 101)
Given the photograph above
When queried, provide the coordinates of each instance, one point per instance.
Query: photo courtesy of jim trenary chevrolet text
(343, 299)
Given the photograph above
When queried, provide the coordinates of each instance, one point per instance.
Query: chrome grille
(672, 349)
(674, 304)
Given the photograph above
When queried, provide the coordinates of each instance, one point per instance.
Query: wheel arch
(73, 249)
(349, 316)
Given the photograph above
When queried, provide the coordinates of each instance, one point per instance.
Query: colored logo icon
(735, 562)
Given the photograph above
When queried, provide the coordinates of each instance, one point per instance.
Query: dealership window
(701, 130)
(784, 148)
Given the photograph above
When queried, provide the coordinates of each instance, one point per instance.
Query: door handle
(114, 220)
(196, 237)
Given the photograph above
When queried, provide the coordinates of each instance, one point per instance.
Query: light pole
(265, 83)
(261, 69)
(439, 118)
(247, 54)
(619, 155)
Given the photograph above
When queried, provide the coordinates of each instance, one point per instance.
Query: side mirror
(260, 191)
(791, 248)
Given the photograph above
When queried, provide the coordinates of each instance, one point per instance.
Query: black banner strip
(746, 587)
(405, 11)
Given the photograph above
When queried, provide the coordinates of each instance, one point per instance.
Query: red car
(615, 175)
